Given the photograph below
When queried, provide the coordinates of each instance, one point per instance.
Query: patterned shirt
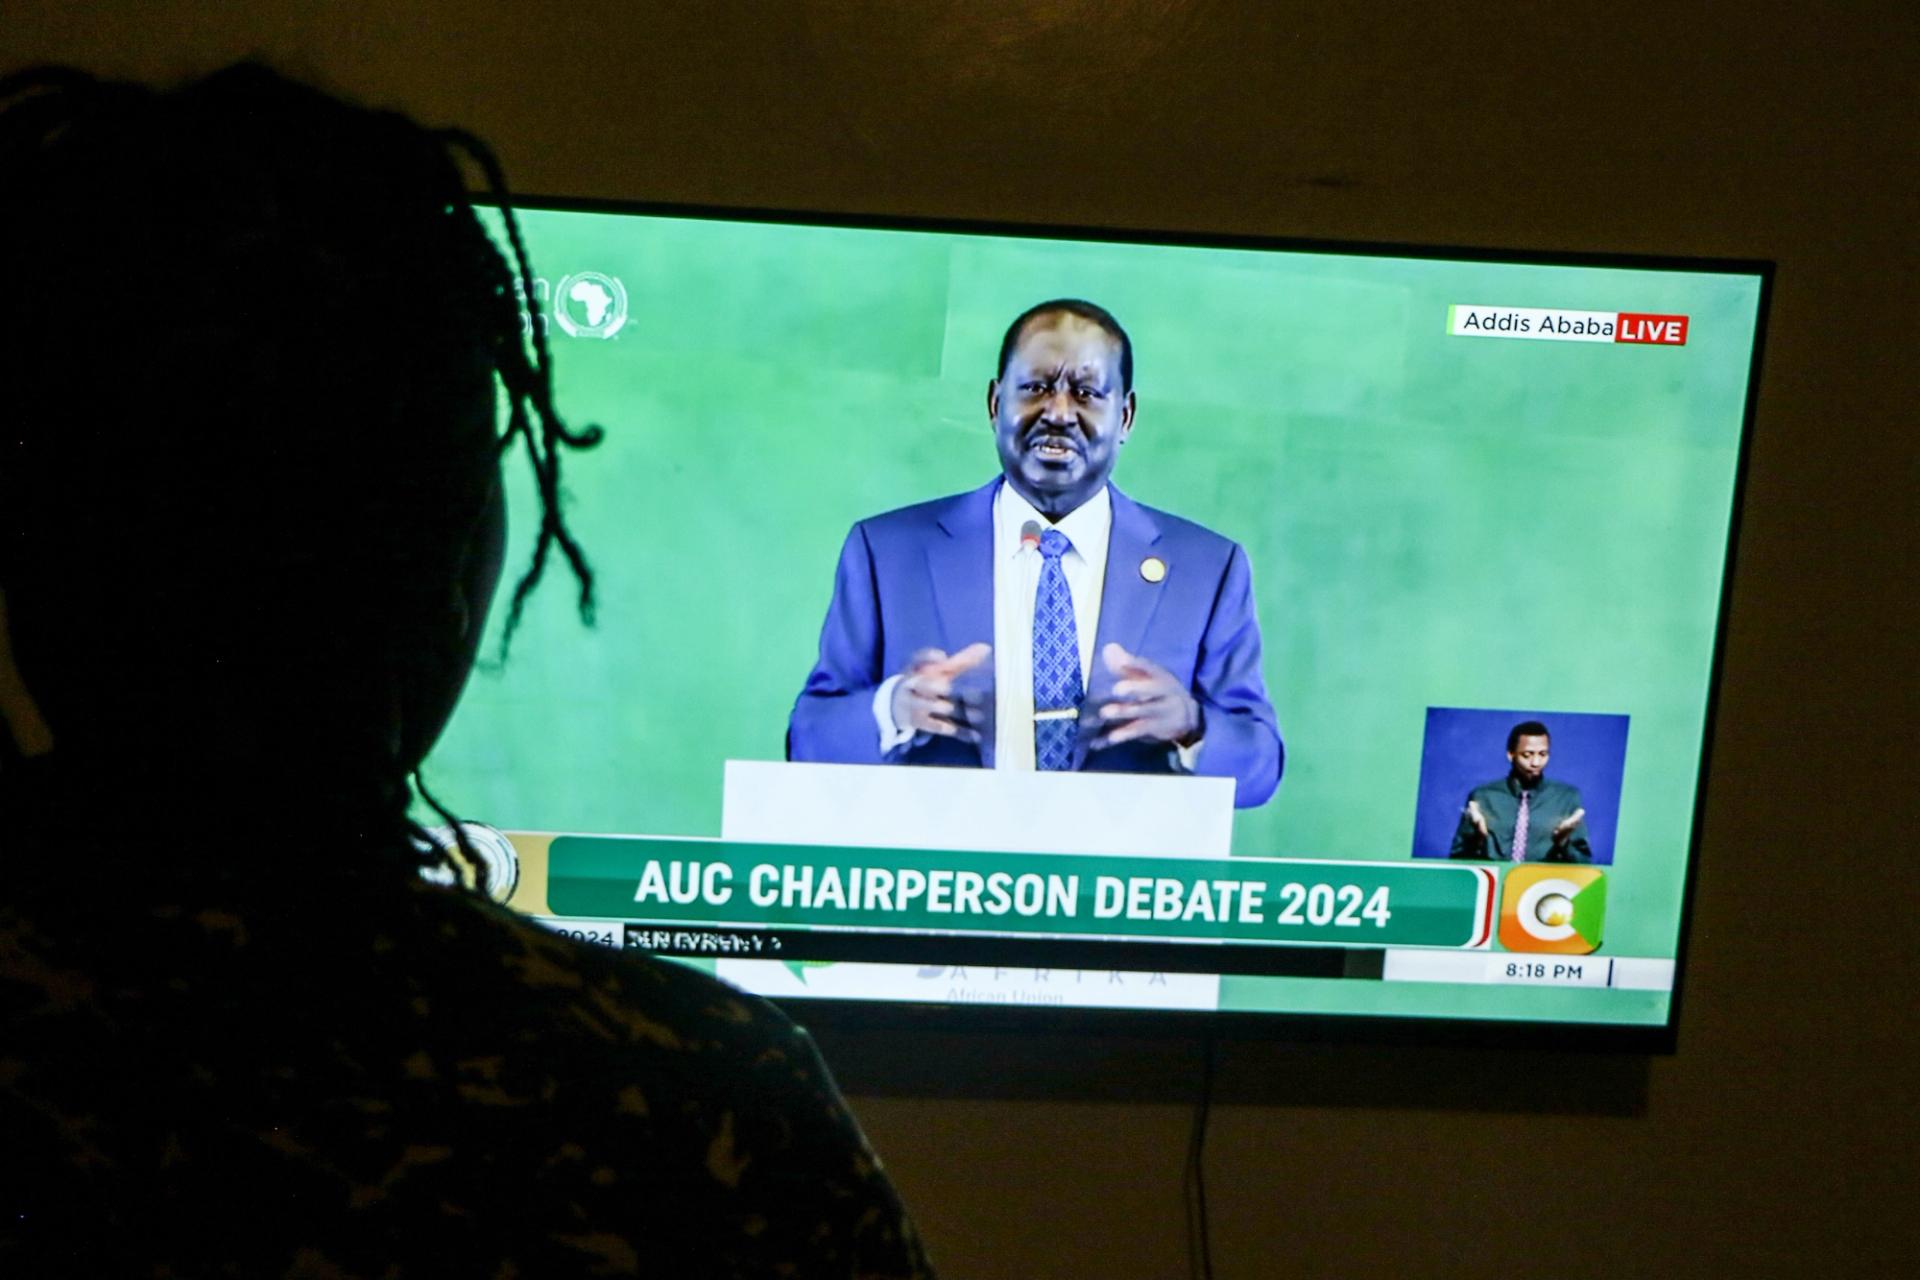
(378, 1077)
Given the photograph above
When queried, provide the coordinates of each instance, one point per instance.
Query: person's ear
(18, 711)
(1126, 416)
(461, 613)
(477, 569)
(993, 400)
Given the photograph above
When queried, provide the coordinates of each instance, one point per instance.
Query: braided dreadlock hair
(259, 361)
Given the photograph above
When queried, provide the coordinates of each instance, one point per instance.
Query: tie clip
(1061, 713)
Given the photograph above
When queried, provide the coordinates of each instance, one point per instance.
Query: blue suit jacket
(923, 576)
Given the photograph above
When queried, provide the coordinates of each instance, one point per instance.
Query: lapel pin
(1153, 568)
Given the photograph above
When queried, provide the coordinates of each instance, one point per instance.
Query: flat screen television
(1421, 556)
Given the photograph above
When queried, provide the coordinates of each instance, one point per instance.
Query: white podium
(1001, 811)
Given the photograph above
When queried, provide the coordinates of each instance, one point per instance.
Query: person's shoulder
(1492, 786)
(1189, 534)
(1559, 790)
(669, 1004)
(733, 1090)
(923, 515)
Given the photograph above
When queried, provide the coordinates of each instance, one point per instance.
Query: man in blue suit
(1045, 620)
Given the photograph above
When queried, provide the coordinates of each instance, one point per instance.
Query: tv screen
(1257, 628)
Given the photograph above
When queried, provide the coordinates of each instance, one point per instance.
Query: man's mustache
(1037, 436)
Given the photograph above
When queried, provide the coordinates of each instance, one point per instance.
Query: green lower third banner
(1248, 900)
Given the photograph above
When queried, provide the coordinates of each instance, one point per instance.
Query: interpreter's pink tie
(1520, 825)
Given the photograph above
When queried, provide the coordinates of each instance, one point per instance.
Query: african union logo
(492, 847)
(588, 304)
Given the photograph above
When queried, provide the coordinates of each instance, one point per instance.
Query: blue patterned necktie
(1056, 660)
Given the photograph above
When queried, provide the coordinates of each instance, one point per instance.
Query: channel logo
(1554, 908)
(1549, 324)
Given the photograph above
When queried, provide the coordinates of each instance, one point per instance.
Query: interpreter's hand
(1478, 819)
(926, 701)
(1146, 704)
(1564, 828)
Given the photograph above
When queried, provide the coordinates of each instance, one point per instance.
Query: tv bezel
(1355, 1028)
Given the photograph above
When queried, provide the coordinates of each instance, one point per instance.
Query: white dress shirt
(1016, 584)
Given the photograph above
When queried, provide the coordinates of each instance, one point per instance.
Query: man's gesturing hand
(924, 700)
(1479, 819)
(1564, 828)
(1147, 704)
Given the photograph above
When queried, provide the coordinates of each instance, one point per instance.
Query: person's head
(254, 349)
(1061, 402)
(1527, 745)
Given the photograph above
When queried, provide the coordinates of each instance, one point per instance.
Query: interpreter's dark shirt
(1499, 801)
(380, 1077)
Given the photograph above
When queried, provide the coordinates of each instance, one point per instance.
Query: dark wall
(1780, 1139)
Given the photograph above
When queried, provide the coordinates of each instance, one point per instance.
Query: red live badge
(1637, 326)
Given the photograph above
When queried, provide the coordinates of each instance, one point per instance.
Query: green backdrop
(1431, 520)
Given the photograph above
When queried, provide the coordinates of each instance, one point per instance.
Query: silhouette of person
(259, 366)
